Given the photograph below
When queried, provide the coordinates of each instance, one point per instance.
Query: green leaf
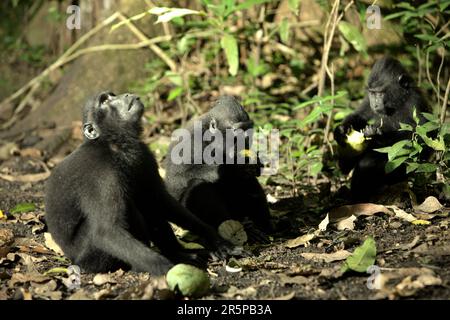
(383, 150)
(23, 207)
(175, 78)
(405, 5)
(284, 30)
(411, 167)
(435, 144)
(294, 6)
(256, 69)
(444, 5)
(415, 117)
(57, 270)
(394, 15)
(445, 129)
(405, 127)
(430, 117)
(229, 45)
(353, 35)
(249, 3)
(362, 258)
(316, 168)
(174, 93)
(394, 164)
(427, 37)
(430, 126)
(427, 167)
(397, 148)
(320, 100)
(185, 43)
(166, 14)
(315, 114)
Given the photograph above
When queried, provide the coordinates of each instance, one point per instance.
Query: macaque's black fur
(390, 100)
(106, 201)
(219, 192)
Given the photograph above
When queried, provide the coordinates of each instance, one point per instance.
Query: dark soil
(272, 272)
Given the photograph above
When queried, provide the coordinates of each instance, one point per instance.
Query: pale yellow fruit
(247, 153)
(356, 140)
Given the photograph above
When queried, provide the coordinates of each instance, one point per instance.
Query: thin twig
(333, 21)
(115, 47)
(419, 61)
(141, 36)
(445, 102)
(326, 49)
(330, 117)
(427, 68)
(438, 78)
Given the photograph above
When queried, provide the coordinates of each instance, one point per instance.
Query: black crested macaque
(390, 100)
(106, 201)
(218, 191)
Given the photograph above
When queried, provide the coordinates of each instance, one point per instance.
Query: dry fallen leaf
(300, 241)
(31, 152)
(102, 278)
(47, 290)
(80, 295)
(399, 213)
(346, 224)
(327, 257)
(324, 223)
(7, 150)
(430, 205)
(409, 286)
(403, 281)
(361, 209)
(234, 292)
(27, 277)
(51, 244)
(271, 199)
(31, 177)
(6, 241)
(285, 279)
(288, 296)
(345, 212)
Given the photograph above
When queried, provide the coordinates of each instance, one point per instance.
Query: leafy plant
(414, 153)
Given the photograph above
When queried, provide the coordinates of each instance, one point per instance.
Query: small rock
(395, 225)
(102, 278)
(7, 150)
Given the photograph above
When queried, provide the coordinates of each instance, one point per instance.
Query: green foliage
(362, 258)
(228, 44)
(23, 208)
(354, 36)
(414, 152)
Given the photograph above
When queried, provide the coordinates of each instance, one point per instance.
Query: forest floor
(414, 259)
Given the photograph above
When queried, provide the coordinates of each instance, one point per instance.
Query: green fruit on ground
(188, 280)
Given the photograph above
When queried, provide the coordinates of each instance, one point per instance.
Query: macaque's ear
(213, 125)
(91, 131)
(404, 81)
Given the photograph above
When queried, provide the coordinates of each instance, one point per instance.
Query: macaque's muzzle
(376, 100)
